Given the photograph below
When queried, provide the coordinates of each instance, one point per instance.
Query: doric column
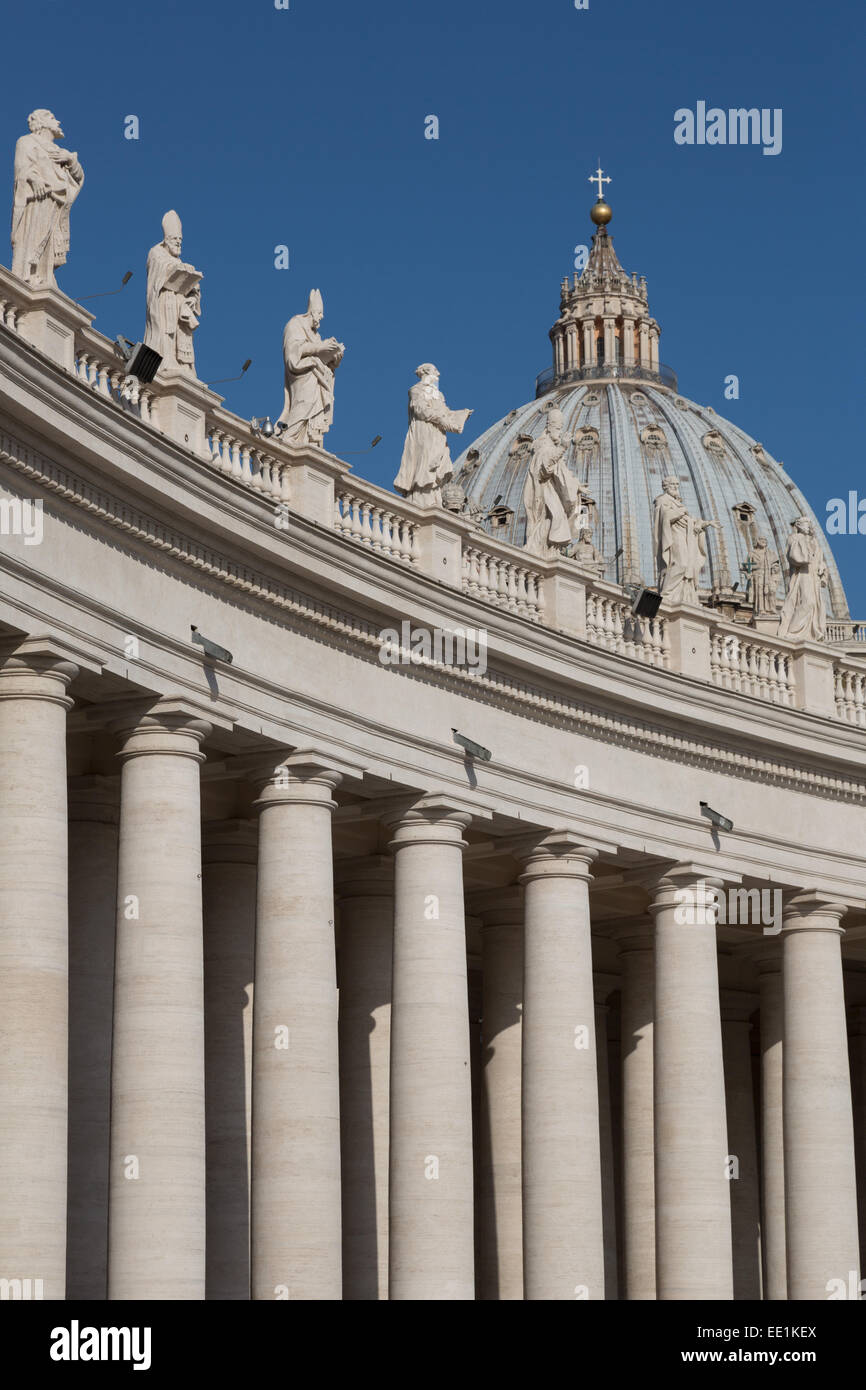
(229, 901)
(366, 893)
(857, 1055)
(563, 1240)
(609, 340)
(820, 1182)
(772, 1136)
(156, 1224)
(296, 1224)
(93, 818)
(33, 965)
(501, 912)
(603, 986)
(431, 1253)
(572, 354)
(737, 1010)
(589, 354)
(638, 1165)
(693, 1206)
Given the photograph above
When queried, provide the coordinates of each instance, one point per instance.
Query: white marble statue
(48, 179)
(764, 572)
(587, 555)
(310, 363)
(552, 496)
(680, 545)
(426, 462)
(173, 299)
(803, 614)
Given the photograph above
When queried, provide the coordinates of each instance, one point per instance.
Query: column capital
(554, 854)
(813, 910)
(94, 798)
(435, 818)
(36, 669)
(630, 934)
(45, 654)
(369, 876)
(603, 985)
(665, 889)
(292, 770)
(233, 841)
(170, 725)
(767, 955)
(498, 907)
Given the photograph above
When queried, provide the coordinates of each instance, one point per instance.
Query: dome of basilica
(627, 428)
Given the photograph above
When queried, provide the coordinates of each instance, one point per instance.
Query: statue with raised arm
(48, 179)
(763, 570)
(680, 545)
(803, 616)
(552, 496)
(310, 363)
(426, 462)
(173, 299)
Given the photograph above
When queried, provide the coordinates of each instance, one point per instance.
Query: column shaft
(742, 1147)
(639, 1218)
(772, 1136)
(157, 1178)
(563, 1240)
(432, 1253)
(693, 1208)
(296, 1225)
(33, 969)
(229, 900)
(820, 1181)
(366, 937)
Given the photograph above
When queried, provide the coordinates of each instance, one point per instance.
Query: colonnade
(336, 1157)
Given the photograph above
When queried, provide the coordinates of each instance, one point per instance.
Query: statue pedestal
(180, 405)
(767, 623)
(47, 319)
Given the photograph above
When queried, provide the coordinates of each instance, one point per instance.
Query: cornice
(507, 691)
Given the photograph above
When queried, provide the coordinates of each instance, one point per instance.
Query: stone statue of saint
(426, 462)
(310, 363)
(680, 545)
(552, 496)
(763, 579)
(586, 554)
(173, 299)
(48, 179)
(803, 614)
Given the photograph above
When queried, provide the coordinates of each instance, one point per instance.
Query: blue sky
(305, 127)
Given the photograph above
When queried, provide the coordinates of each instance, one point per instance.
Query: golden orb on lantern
(601, 212)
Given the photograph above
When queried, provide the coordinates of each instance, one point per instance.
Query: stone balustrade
(611, 624)
(501, 580)
(372, 517)
(239, 454)
(752, 665)
(850, 691)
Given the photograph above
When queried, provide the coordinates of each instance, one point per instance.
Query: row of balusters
(370, 523)
(611, 624)
(501, 581)
(751, 668)
(112, 381)
(850, 695)
(245, 461)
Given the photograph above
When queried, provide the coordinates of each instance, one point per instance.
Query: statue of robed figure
(680, 545)
(552, 496)
(803, 615)
(426, 462)
(310, 363)
(48, 179)
(173, 299)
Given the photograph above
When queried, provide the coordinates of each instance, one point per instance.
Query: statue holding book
(173, 299)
